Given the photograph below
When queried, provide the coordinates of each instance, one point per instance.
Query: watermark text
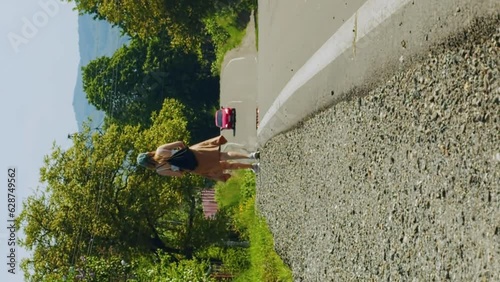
(11, 217)
(31, 25)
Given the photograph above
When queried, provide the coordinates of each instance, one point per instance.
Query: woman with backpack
(204, 158)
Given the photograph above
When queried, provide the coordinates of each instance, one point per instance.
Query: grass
(227, 29)
(265, 263)
(226, 36)
(237, 197)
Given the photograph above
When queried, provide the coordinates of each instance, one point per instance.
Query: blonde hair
(152, 161)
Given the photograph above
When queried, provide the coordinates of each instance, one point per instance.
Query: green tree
(133, 83)
(93, 268)
(147, 19)
(97, 202)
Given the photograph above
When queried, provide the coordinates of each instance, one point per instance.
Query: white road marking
(233, 102)
(233, 60)
(367, 18)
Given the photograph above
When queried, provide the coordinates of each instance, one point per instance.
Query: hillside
(96, 39)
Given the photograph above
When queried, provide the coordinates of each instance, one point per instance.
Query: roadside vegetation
(259, 262)
(227, 29)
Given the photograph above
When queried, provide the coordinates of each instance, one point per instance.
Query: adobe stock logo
(31, 26)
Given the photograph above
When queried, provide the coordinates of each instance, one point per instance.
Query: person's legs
(225, 156)
(232, 166)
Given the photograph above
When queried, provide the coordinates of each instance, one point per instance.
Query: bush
(259, 262)
(162, 270)
(226, 28)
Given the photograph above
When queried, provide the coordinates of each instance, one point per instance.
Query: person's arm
(173, 145)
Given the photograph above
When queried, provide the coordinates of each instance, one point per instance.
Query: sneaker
(256, 167)
(255, 155)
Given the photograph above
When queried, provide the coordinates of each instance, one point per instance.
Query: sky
(39, 59)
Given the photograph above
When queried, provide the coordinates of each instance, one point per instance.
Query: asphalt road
(383, 163)
(239, 91)
(401, 183)
(291, 31)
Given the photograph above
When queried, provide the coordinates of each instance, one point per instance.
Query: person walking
(204, 159)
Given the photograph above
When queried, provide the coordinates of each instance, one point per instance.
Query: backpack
(184, 159)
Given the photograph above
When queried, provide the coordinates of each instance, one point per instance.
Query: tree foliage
(97, 202)
(148, 18)
(132, 84)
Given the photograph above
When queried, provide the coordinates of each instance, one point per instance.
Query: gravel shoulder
(396, 182)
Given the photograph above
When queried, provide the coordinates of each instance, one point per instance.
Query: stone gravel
(399, 183)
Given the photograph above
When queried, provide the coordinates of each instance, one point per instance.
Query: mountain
(97, 38)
